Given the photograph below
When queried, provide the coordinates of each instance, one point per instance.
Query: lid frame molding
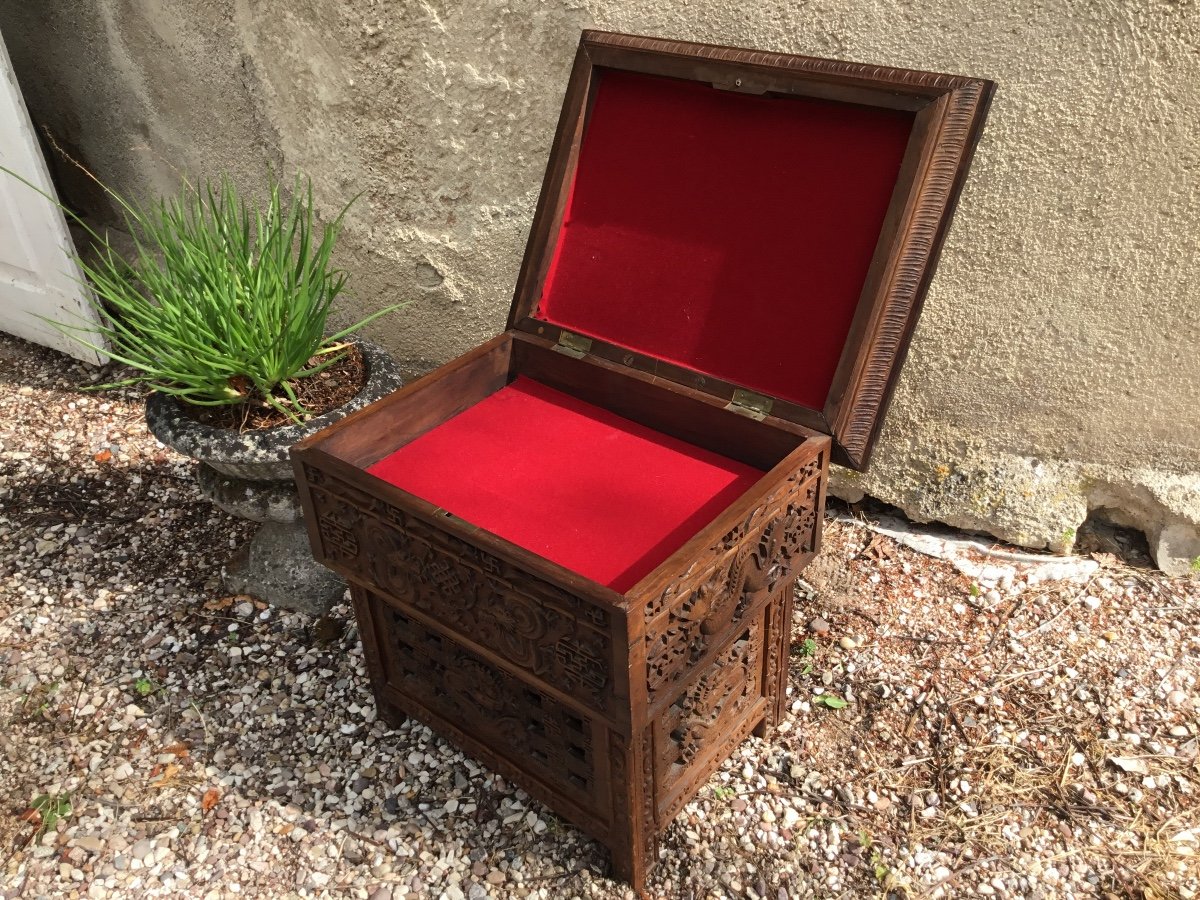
(949, 114)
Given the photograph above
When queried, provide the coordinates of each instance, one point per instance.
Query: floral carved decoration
(748, 566)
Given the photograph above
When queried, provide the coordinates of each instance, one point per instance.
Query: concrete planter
(249, 475)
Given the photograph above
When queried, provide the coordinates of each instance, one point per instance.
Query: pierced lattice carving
(553, 742)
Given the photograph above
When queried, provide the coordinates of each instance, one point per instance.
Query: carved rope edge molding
(882, 76)
(916, 253)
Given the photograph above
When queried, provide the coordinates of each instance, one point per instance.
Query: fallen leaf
(220, 603)
(31, 815)
(830, 701)
(103, 456)
(210, 798)
(179, 748)
(168, 777)
(1131, 764)
(879, 548)
(328, 629)
(241, 384)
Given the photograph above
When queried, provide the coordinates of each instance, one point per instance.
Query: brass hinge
(573, 344)
(748, 403)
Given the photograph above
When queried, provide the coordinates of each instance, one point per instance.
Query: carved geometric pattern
(549, 740)
(649, 819)
(337, 534)
(563, 640)
(779, 637)
(699, 570)
(618, 749)
(720, 750)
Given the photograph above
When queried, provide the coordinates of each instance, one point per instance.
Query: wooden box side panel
(558, 754)
(727, 582)
(404, 415)
(566, 643)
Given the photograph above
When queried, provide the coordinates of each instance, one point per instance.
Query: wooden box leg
(391, 715)
(388, 711)
(778, 645)
(634, 845)
(631, 866)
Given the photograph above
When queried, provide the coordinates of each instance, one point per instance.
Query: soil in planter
(320, 393)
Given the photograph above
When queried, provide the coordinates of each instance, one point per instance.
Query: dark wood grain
(556, 187)
(404, 415)
(614, 709)
(916, 251)
(869, 315)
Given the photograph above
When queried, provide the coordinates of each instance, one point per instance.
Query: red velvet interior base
(595, 493)
(724, 232)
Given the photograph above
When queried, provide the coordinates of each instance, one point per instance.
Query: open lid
(757, 226)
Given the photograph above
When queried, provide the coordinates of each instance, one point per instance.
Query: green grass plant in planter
(220, 304)
(221, 308)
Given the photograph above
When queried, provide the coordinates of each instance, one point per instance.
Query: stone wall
(1057, 366)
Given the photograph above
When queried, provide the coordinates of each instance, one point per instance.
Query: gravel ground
(158, 738)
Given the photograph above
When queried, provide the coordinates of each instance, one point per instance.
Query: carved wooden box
(573, 550)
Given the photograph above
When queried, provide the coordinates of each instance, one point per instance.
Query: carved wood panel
(740, 572)
(554, 635)
(778, 644)
(702, 565)
(690, 735)
(533, 731)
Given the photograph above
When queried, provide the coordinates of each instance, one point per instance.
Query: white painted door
(38, 274)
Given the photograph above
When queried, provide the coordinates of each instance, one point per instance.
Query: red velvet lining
(596, 493)
(724, 232)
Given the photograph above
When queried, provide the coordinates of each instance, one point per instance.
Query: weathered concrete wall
(1057, 367)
